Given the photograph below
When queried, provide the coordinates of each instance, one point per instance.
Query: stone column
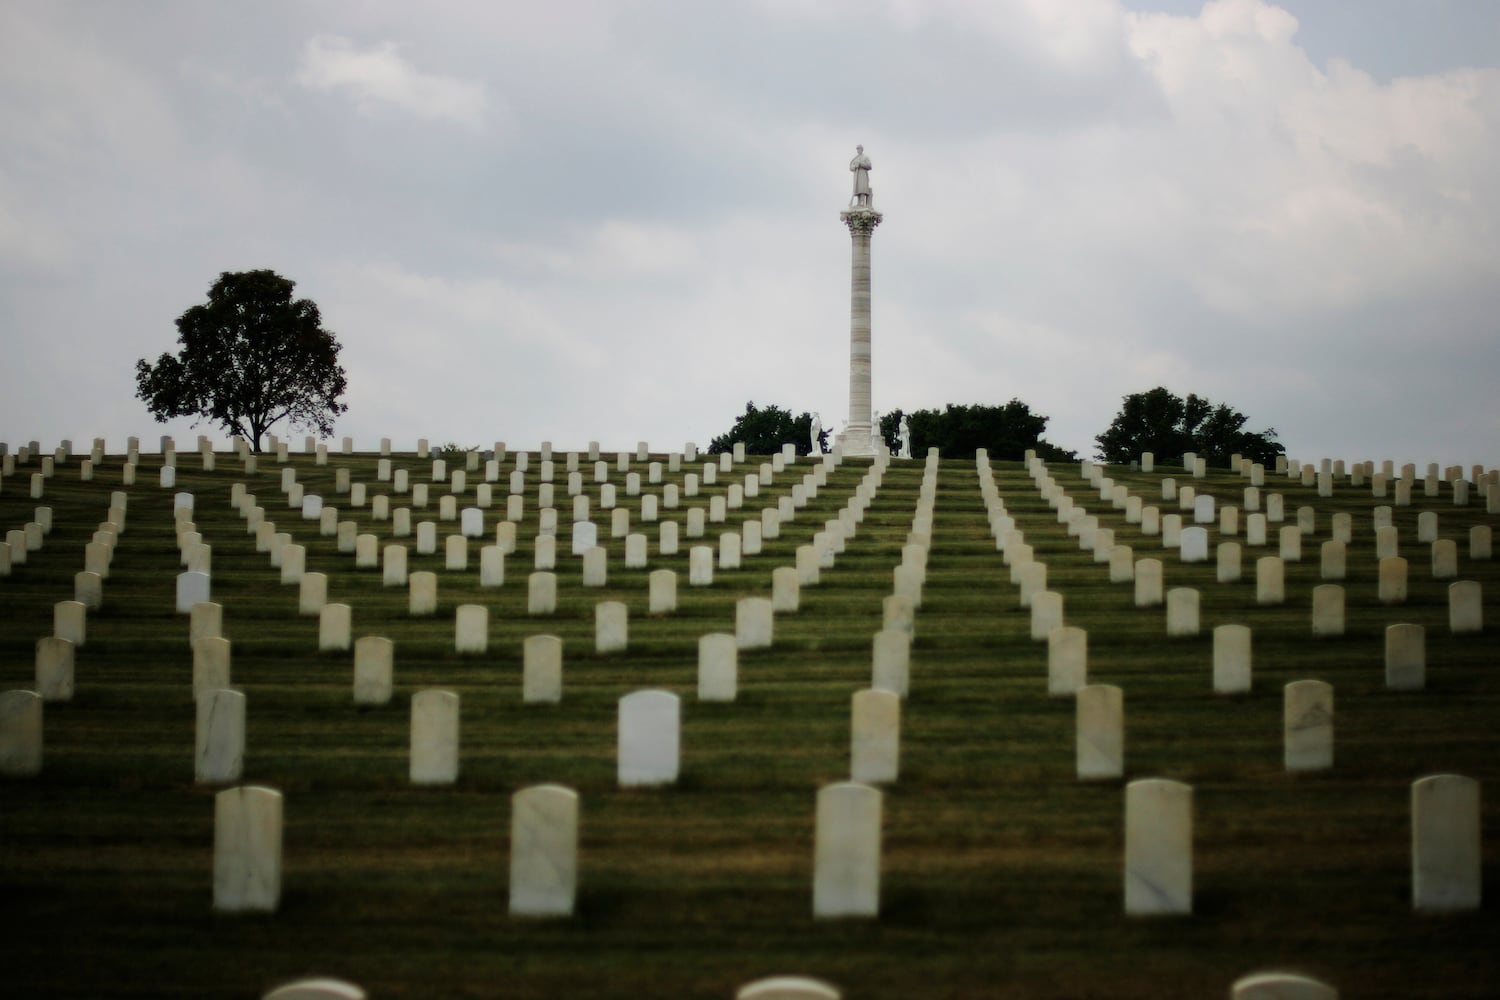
(857, 439)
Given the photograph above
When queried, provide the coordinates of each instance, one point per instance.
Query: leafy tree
(958, 431)
(251, 356)
(765, 430)
(1169, 427)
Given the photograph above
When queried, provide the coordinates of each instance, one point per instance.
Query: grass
(1001, 872)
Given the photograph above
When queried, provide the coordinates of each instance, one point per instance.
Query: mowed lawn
(1002, 873)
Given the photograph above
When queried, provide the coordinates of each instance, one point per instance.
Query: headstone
(1445, 843)
(1232, 659)
(1392, 588)
(649, 725)
(1405, 657)
(1308, 723)
(846, 876)
(1280, 986)
(422, 593)
(544, 552)
(1291, 543)
(1387, 542)
(1067, 660)
(891, 669)
(320, 988)
(247, 849)
(1481, 540)
(1100, 721)
(393, 562)
(1444, 559)
(1270, 580)
(20, 734)
(718, 667)
(1328, 609)
(662, 596)
(541, 594)
(1182, 611)
(700, 566)
(1158, 847)
(312, 593)
(595, 567)
(219, 750)
(543, 851)
(753, 623)
(1465, 607)
(1194, 544)
(611, 627)
(1122, 564)
(1228, 562)
(1148, 583)
(54, 669)
(1046, 614)
(1334, 560)
(192, 587)
(787, 988)
(334, 624)
(471, 628)
(875, 740)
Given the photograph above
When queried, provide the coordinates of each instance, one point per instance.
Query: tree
(250, 357)
(764, 431)
(1169, 427)
(958, 431)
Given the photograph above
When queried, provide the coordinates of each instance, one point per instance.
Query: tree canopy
(250, 356)
(765, 429)
(959, 431)
(1169, 427)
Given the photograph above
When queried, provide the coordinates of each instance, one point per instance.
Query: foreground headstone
(875, 737)
(471, 628)
(1328, 609)
(543, 851)
(1148, 583)
(1158, 847)
(192, 588)
(1280, 986)
(247, 849)
(1445, 843)
(787, 988)
(541, 594)
(662, 596)
(1308, 726)
(846, 857)
(1465, 607)
(611, 627)
(316, 989)
(374, 663)
(1100, 720)
(219, 750)
(892, 661)
(541, 669)
(20, 733)
(649, 727)
(1232, 659)
(434, 737)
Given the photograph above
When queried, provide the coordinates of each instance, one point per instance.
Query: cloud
(378, 78)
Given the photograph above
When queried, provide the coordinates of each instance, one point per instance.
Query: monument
(856, 439)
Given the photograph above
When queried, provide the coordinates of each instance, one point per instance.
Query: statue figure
(904, 436)
(817, 434)
(860, 165)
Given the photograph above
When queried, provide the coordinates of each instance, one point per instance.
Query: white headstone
(846, 877)
(1067, 660)
(1100, 721)
(718, 667)
(373, 667)
(649, 725)
(543, 851)
(1308, 723)
(1158, 847)
(20, 733)
(753, 623)
(247, 849)
(1445, 843)
(471, 628)
(611, 627)
(219, 750)
(541, 594)
(434, 737)
(334, 625)
(1182, 611)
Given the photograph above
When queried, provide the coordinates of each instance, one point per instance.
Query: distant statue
(904, 436)
(860, 165)
(817, 434)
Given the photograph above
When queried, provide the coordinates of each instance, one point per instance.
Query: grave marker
(1158, 847)
(247, 849)
(1445, 843)
(649, 725)
(541, 669)
(544, 851)
(1308, 726)
(846, 876)
(219, 747)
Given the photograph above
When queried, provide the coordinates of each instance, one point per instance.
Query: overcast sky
(619, 220)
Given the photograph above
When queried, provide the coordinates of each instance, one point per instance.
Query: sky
(618, 221)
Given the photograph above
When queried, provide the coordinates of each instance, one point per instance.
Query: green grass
(1001, 872)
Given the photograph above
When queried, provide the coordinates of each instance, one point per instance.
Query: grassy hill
(1001, 871)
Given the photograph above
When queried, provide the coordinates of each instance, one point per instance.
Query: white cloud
(378, 78)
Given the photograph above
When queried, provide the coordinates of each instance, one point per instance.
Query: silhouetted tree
(250, 357)
(1169, 427)
(765, 430)
(958, 431)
